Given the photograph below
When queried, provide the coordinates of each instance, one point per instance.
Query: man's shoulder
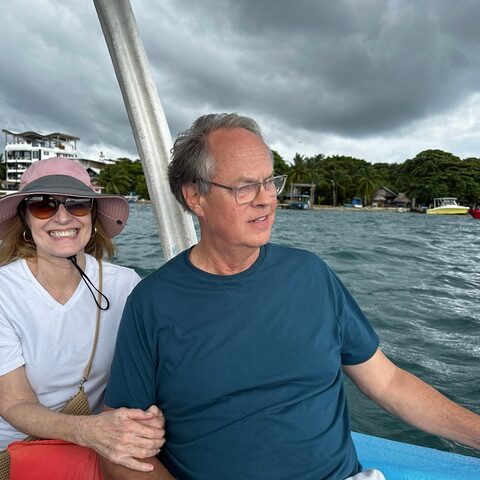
(293, 254)
(163, 276)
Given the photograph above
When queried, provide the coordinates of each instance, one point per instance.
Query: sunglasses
(46, 206)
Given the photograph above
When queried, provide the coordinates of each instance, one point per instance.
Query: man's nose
(264, 197)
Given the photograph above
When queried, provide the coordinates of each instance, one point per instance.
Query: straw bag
(76, 405)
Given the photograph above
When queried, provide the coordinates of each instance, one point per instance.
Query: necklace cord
(90, 285)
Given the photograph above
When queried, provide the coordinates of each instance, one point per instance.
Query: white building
(24, 148)
(94, 167)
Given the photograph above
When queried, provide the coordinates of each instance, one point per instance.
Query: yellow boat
(446, 206)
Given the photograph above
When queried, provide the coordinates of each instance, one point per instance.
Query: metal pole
(147, 119)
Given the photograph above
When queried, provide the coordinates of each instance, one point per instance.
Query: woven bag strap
(88, 367)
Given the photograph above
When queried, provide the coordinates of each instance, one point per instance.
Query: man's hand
(125, 435)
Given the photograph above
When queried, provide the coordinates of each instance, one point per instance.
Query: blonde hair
(17, 242)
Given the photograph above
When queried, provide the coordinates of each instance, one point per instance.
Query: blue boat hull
(402, 461)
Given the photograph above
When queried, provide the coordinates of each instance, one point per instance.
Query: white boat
(132, 197)
(447, 206)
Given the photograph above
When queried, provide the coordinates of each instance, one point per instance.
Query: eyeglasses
(46, 206)
(248, 193)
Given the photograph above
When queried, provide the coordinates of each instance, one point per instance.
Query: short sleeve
(358, 338)
(132, 380)
(11, 355)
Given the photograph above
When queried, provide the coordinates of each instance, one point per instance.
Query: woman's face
(62, 235)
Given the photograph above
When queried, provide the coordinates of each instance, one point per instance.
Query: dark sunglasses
(46, 206)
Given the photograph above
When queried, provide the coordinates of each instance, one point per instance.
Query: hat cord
(90, 284)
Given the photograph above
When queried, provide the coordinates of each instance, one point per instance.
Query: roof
(47, 136)
(387, 190)
(401, 197)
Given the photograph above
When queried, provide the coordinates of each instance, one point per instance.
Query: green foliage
(431, 174)
(124, 176)
(434, 173)
(337, 179)
(279, 164)
(298, 172)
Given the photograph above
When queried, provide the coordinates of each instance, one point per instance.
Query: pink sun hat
(63, 176)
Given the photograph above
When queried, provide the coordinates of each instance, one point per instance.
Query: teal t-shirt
(246, 368)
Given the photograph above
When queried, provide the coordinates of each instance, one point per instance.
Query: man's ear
(192, 198)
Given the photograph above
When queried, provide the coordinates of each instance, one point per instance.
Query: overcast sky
(375, 79)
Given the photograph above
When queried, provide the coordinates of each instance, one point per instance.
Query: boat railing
(445, 202)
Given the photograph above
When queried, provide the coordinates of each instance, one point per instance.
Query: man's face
(241, 159)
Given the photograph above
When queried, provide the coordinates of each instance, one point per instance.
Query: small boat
(474, 212)
(299, 205)
(296, 202)
(357, 202)
(447, 206)
(132, 197)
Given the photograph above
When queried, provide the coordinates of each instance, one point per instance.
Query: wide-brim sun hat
(63, 176)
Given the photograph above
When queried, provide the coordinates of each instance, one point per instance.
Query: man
(242, 343)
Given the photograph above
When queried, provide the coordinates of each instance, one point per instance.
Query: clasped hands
(125, 435)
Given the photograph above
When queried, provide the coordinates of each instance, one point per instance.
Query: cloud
(373, 78)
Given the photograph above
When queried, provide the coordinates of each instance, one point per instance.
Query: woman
(55, 231)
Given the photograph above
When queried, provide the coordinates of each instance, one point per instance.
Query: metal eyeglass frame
(243, 188)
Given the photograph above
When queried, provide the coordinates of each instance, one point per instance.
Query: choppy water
(417, 278)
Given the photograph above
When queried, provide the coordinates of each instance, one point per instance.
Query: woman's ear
(192, 198)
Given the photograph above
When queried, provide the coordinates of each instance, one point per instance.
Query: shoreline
(341, 208)
(338, 208)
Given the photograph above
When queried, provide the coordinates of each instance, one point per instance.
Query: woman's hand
(124, 435)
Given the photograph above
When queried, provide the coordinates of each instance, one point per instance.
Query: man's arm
(414, 401)
(112, 471)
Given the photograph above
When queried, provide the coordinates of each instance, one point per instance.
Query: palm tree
(367, 183)
(337, 180)
(298, 171)
(114, 179)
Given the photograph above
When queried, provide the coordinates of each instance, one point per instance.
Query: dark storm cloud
(349, 69)
(58, 76)
(353, 68)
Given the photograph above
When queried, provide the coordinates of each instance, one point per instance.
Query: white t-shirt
(54, 341)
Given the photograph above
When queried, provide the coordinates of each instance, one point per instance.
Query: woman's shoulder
(12, 268)
(120, 269)
(113, 270)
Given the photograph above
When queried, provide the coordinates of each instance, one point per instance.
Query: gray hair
(192, 160)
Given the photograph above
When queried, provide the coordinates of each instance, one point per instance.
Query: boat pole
(147, 119)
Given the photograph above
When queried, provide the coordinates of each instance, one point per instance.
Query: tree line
(338, 179)
(430, 174)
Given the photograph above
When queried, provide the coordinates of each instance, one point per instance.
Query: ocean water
(416, 277)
